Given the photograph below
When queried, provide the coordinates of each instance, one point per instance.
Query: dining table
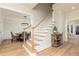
(19, 35)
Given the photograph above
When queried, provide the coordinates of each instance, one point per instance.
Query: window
(77, 30)
(71, 28)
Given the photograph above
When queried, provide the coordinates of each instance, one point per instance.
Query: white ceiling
(28, 5)
(66, 7)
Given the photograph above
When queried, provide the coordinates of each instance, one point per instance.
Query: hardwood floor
(70, 48)
(12, 49)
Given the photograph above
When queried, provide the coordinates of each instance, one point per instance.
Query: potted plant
(55, 29)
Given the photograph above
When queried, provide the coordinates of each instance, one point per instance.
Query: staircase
(42, 35)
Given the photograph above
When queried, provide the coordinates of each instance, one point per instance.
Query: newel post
(33, 39)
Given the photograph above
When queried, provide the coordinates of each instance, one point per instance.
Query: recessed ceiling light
(73, 8)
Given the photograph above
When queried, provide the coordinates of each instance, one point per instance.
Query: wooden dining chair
(14, 37)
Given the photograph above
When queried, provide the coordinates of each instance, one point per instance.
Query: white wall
(12, 25)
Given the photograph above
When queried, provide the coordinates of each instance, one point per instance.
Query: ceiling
(67, 7)
(28, 5)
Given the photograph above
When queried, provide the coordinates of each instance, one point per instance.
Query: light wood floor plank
(12, 49)
(70, 48)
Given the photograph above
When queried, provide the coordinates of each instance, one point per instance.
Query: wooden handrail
(27, 27)
(33, 40)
